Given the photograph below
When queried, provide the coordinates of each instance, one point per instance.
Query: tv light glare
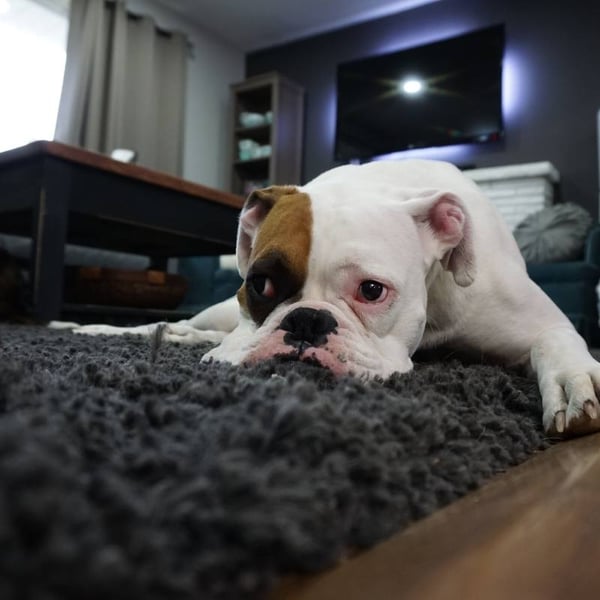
(4, 7)
(412, 86)
(516, 86)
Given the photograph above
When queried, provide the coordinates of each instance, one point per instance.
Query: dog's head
(342, 280)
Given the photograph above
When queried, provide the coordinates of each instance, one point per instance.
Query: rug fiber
(126, 478)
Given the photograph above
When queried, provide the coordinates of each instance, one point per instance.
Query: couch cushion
(226, 284)
(555, 233)
(564, 272)
(199, 273)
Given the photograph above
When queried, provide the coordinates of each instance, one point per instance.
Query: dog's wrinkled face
(338, 282)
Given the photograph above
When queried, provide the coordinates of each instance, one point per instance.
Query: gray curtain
(124, 85)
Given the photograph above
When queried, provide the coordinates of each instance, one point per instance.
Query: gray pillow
(554, 233)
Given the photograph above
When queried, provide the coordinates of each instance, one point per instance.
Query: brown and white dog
(362, 266)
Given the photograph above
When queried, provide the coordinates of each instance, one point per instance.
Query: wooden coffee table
(59, 194)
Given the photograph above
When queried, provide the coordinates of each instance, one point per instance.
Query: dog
(365, 264)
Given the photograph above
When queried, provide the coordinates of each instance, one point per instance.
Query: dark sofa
(208, 283)
(572, 286)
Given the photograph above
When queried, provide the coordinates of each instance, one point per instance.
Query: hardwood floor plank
(530, 533)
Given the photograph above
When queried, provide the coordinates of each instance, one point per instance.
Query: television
(443, 93)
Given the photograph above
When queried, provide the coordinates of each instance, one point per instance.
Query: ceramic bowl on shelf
(263, 151)
(251, 119)
(247, 149)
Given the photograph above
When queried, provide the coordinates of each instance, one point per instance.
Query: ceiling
(255, 24)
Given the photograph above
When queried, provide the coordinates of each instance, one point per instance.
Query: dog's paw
(570, 399)
(186, 334)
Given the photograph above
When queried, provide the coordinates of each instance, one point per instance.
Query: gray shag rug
(126, 478)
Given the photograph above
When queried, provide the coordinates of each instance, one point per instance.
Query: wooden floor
(532, 533)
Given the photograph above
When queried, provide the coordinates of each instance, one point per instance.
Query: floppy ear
(256, 208)
(445, 229)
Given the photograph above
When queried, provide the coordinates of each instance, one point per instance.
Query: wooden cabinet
(268, 114)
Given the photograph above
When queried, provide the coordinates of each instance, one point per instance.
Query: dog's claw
(559, 421)
(590, 409)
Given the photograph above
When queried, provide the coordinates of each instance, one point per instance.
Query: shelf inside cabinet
(260, 134)
(255, 99)
(253, 162)
(253, 168)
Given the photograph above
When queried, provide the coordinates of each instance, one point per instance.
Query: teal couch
(207, 282)
(572, 286)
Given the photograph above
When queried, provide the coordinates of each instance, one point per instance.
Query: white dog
(365, 264)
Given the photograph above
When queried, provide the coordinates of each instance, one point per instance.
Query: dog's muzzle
(307, 327)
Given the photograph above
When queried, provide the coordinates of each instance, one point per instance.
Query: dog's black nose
(307, 327)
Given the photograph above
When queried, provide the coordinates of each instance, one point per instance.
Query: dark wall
(552, 72)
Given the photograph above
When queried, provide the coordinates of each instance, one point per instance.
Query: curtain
(124, 85)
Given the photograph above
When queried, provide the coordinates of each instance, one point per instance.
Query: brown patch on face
(287, 231)
(280, 251)
(242, 300)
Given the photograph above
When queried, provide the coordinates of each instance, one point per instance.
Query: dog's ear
(256, 208)
(445, 228)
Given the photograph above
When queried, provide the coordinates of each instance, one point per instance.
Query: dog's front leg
(569, 380)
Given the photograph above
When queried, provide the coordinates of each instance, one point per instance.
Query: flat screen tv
(447, 92)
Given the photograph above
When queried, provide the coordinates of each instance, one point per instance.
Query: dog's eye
(371, 291)
(263, 286)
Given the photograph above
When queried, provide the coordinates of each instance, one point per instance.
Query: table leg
(50, 217)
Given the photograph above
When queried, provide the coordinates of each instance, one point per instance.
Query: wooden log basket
(116, 287)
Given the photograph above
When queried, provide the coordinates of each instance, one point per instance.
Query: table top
(81, 156)
(115, 205)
